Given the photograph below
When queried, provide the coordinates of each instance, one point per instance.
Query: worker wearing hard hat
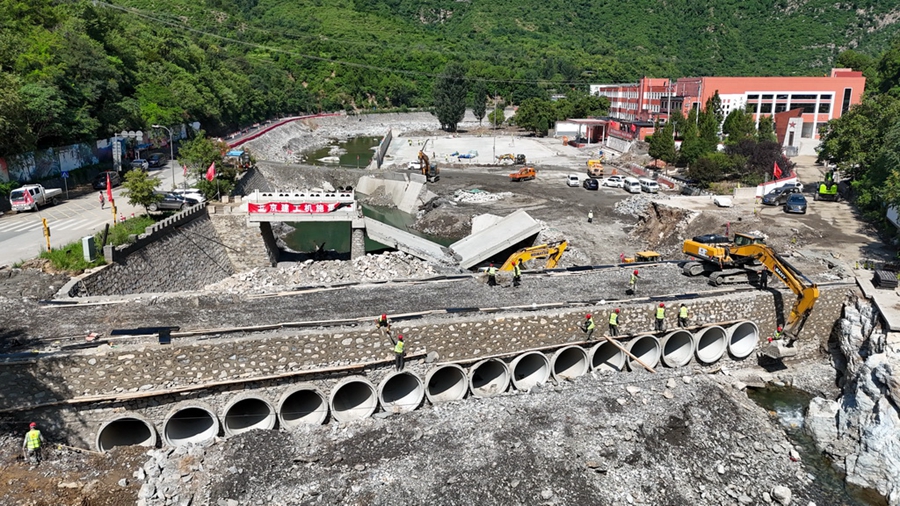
(517, 273)
(661, 317)
(31, 448)
(492, 275)
(614, 323)
(777, 335)
(588, 326)
(683, 316)
(399, 351)
(382, 322)
(632, 284)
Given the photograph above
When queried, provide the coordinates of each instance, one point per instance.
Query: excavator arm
(552, 252)
(806, 291)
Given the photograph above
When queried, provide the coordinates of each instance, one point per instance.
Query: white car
(414, 166)
(191, 193)
(572, 180)
(797, 184)
(613, 182)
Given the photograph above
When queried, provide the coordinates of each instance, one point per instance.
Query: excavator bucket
(778, 350)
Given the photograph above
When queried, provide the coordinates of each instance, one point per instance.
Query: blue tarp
(235, 152)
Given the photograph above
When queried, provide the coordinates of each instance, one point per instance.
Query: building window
(766, 108)
(767, 97)
(751, 108)
(807, 108)
(780, 107)
(807, 131)
(826, 96)
(846, 103)
(803, 97)
(824, 108)
(781, 96)
(752, 97)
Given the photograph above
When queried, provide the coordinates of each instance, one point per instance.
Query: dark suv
(157, 160)
(99, 182)
(779, 196)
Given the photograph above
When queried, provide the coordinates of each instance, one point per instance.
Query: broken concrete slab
(504, 234)
(408, 243)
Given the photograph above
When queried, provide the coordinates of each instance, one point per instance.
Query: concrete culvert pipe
(446, 383)
(488, 378)
(606, 356)
(711, 344)
(401, 392)
(646, 348)
(742, 339)
(569, 362)
(246, 412)
(677, 348)
(190, 422)
(529, 369)
(126, 429)
(302, 404)
(353, 398)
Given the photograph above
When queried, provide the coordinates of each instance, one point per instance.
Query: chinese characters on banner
(289, 208)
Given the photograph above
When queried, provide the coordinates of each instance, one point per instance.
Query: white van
(632, 185)
(572, 180)
(648, 185)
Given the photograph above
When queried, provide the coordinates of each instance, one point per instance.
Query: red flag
(776, 171)
(109, 196)
(29, 200)
(211, 172)
(185, 169)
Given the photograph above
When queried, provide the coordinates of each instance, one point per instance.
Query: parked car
(779, 196)
(99, 182)
(648, 185)
(796, 203)
(613, 181)
(191, 193)
(157, 160)
(414, 165)
(795, 184)
(590, 184)
(140, 164)
(172, 202)
(572, 180)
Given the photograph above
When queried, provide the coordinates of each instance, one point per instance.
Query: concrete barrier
(126, 429)
(488, 378)
(529, 369)
(711, 344)
(401, 392)
(606, 356)
(302, 404)
(742, 339)
(246, 412)
(445, 383)
(677, 348)
(568, 363)
(646, 348)
(190, 422)
(353, 398)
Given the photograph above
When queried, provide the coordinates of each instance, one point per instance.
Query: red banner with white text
(292, 208)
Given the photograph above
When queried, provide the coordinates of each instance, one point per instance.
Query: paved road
(22, 237)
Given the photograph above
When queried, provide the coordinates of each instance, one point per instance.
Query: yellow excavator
(431, 172)
(742, 258)
(551, 251)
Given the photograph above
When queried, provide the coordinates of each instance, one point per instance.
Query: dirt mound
(38, 281)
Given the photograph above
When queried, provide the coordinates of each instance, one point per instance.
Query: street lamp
(171, 152)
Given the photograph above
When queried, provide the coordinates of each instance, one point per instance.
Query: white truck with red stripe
(31, 196)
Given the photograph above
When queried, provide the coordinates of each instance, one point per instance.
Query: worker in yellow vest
(492, 275)
(399, 350)
(632, 283)
(683, 316)
(31, 448)
(588, 326)
(383, 322)
(614, 323)
(517, 273)
(661, 317)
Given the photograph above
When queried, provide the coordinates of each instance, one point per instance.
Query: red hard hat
(383, 315)
(587, 315)
(662, 305)
(400, 337)
(617, 310)
(779, 327)
(635, 272)
(32, 424)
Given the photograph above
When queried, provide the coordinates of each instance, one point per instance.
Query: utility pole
(171, 152)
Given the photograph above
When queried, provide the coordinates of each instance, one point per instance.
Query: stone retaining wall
(150, 367)
(248, 245)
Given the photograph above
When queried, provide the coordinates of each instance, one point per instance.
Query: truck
(594, 168)
(31, 196)
(523, 174)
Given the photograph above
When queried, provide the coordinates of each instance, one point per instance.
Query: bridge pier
(357, 238)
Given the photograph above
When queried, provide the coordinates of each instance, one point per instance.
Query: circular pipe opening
(711, 344)
(401, 392)
(353, 398)
(677, 348)
(446, 383)
(606, 356)
(246, 412)
(742, 339)
(126, 430)
(646, 348)
(190, 423)
(488, 378)
(569, 362)
(529, 369)
(302, 405)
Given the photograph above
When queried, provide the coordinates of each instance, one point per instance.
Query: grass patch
(71, 256)
(119, 233)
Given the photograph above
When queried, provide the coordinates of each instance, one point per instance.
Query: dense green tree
(662, 143)
(140, 188)
(692, 146)
(479, 101)
(738, 125)
(535, 115)
(766, 130)
(851, 142)
(497, 116)
(450, 91)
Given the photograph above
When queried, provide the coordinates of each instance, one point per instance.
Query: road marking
(22, 227)
(69, 224)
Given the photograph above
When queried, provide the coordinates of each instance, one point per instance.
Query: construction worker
(764, 279)
(492, 275)
(517, 273)
(398, 352)
(588, 326)
(682, 316)
(382, 322)
(591, 216)
(614, 323)
(778, 335)
(31, 447)
(632, 284)
(661, 317)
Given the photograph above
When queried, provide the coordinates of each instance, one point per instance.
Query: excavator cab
(747, 239)
(643, 256)
(520, 159)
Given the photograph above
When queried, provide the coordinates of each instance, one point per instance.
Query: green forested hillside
(80, 70)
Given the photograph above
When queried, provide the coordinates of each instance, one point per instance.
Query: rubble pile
(382, 267)
(636, 205)
(478, 196)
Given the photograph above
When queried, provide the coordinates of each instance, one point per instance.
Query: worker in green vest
(632, 284)
(661, 317)
(31, 448)
(399, 351)
(778, 335)
(614, 323)
(588, 326)
(683, 316)
(517, 273)
(492, 275)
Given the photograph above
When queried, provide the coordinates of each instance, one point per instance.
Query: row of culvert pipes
(355, 397)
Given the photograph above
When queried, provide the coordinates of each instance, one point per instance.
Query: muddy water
(359, 152)
(788, 407)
